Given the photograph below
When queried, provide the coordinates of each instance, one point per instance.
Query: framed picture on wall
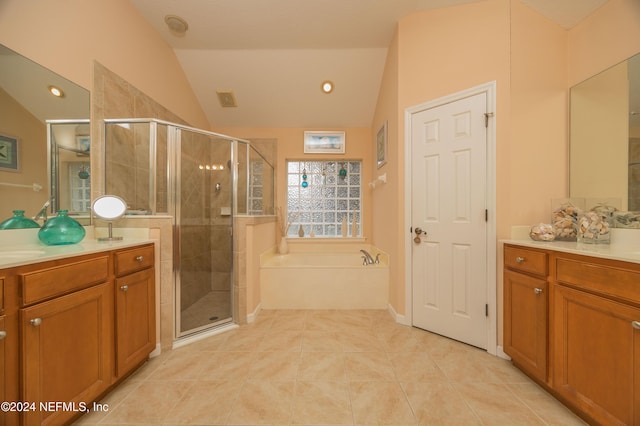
(317, 142)
(9, 154)
(83, 143)
(381, 145)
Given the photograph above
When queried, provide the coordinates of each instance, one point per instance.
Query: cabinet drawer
(136, 259)
(46, 283)
(521, 259)
(601, 278)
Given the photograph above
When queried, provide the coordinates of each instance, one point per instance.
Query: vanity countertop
(18, 247)
(624, 252)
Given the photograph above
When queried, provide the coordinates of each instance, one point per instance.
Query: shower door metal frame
(174, 139)
(173, 198)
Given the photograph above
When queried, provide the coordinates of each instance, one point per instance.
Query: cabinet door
(525, 322)
(3, 396)
(135, 319)
(596, 359)
(67, 352)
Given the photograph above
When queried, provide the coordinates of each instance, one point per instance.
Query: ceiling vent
(227, 99)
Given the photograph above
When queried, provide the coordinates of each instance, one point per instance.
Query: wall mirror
(604, 160)
(52, 136)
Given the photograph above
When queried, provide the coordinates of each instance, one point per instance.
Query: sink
(20, 254)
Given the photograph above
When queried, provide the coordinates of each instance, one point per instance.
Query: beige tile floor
(329, 368)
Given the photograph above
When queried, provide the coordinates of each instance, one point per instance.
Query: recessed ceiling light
(327, 86)
(56, 91)
(176, 24)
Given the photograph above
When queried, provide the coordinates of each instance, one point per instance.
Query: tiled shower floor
(329, 368)
(214, 306)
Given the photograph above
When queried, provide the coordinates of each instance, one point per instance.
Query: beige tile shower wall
(195, 256)
(113, 97)
(252, 236)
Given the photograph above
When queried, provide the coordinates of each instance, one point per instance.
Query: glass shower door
(204, 188)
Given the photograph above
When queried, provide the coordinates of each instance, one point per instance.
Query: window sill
(344, 240)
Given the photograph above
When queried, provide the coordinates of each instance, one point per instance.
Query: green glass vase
(18, 221)
(60, 230)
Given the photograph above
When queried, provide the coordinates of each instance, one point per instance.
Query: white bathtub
(307, 280)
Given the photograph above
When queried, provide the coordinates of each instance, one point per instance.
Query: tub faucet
(367, 256)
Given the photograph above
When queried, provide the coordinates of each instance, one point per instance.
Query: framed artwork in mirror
(317, 142)
(9, 154)
(83, 143)
(381, 145)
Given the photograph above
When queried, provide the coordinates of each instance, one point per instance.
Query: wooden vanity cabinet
(135, 307)
(66, 323)
(597, 338)
(9, 343)
(526, 309)
(582, 339)
(75, 327)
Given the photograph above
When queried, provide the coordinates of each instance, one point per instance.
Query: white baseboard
(253, 315)
(400, 319)
(500, 353)
(156, 352)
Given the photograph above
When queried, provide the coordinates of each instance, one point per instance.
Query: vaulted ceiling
(275, 54)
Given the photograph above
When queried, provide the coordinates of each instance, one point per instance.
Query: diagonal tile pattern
(329, 368)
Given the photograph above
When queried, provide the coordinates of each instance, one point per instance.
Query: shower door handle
(176, 248)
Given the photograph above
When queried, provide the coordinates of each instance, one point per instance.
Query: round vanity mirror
(109, 207)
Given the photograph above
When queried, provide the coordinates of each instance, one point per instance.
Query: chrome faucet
(367, 257)
(42, 214)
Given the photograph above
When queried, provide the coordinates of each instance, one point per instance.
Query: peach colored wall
(498, 40)
(606, 37)
(68, 36)
(387, 195)
(359, 143)
(17, 122)
(533, 161)
(440, 52)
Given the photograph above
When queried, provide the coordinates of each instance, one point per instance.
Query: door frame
(490, 90)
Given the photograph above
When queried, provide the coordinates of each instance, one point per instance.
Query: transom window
(323, 196)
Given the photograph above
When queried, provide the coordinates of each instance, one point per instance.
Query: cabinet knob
(635, 324)
(3, 334)
(36, 322)
(519, 259)
(537, 290)
(124, 287)
(139, 258)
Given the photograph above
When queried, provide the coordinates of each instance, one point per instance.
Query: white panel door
(448, 189)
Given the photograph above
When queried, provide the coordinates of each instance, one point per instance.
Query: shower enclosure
(69, 171)
(203, 180)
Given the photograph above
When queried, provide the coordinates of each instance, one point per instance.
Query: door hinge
(486, 118)
(486, 310)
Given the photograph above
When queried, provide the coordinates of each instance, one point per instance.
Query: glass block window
(80, 189)
(255, 187)
(329, 198)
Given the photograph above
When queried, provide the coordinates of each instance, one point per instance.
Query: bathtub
(320, 280)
